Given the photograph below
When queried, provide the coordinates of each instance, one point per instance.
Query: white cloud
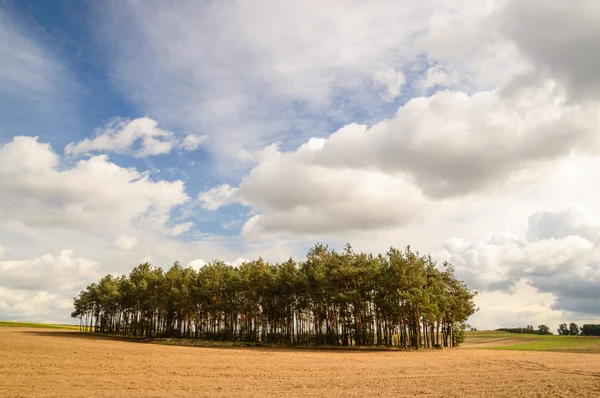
(39, 306)
(297, 197)
(1, 251)
(238, 261)
(93, 195)
(391, 80)
(192, 142)
(557, 37)
(525, 305)
(139, 137)
(178, 229)
(197, 264)
(126, 242)
(438, 76)
(448, 145)
(217, 196)
(49, 273)
(565, 266)
(244, 84)
(575, 219)
(466, 38)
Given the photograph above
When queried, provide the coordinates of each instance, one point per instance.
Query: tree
(573, 329)
(590, 330)
(543, 329)
(563, 330)
(332, 298)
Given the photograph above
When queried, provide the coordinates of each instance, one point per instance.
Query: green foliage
(331, 299)
(542, 329)
(590, 330)
(563, 330)
(573, 329)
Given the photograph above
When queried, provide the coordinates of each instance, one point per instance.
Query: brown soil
(493, 342)
(48, 363)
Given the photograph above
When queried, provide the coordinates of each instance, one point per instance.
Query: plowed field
(57, 363)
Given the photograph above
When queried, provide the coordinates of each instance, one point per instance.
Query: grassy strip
(37, 325)
(558, 343)
(536, 342)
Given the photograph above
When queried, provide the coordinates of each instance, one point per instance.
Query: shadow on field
(191, 343)
(80, 335)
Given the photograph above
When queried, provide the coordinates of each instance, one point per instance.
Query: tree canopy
(571, 330)
(542, 329)
(399, 298)
(590, 330)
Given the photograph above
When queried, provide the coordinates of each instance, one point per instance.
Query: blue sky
(192, 131)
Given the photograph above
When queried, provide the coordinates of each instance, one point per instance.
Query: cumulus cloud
(575, 220)
(126, 242)
(40, 306)
(525, 305)
(139, 137)
(558, 38)
(238, 261)
(178, 229)
(447, 145)
(243, 85)
(196, 264)
(438, 76)
(293, 192)
(192, 142)
(199, 263)
(217, 196)
(300, 198)
(93, 195)
(391, 80)
(453, 143)
(466, 38)
(566, 266)
(49, 273)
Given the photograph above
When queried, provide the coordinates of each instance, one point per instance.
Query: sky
(163, 131)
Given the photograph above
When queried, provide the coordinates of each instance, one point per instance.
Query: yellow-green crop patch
(556, 343)
(36, 325)
(492, 340)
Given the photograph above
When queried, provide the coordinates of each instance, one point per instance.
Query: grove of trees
(574, 330)
(590, 330)
(331, 298)
(571, 330)
(542, 329)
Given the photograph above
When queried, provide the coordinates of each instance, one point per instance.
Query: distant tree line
(332, 298)
(574, 330)
(542, 329)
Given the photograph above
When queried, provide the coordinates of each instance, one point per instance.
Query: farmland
(37, 325)
(531, 342)
(53, 362)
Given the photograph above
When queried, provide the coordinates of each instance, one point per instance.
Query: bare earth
(52, 363)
